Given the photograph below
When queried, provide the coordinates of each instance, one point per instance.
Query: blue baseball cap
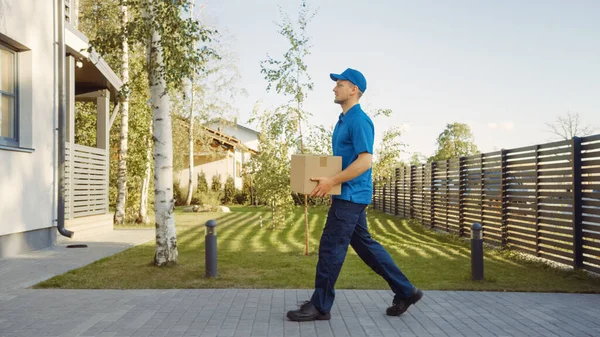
(353, 76)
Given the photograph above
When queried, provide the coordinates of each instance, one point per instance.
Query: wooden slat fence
(86, 183)
(543, 200)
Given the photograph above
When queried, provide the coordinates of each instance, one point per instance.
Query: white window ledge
(16, 149)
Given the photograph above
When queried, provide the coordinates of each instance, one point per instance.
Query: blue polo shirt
(353, 134)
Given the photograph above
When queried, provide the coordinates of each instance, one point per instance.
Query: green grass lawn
(251, 256)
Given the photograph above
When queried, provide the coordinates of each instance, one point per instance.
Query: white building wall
(224, 166)
(26, 178)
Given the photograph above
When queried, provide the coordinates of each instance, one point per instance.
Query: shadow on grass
(253, 257)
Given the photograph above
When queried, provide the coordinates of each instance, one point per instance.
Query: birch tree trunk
(188, 200)
(190, 90)
(143, 214)
(166, 238)
(119, 216)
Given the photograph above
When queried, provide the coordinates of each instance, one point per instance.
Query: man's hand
(324, 186)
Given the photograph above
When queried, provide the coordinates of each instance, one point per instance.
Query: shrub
(240, 197)
(177, 196)
(229, 190)
(215, 185)
(201, 189)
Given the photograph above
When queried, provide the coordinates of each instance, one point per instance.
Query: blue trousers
(347, 225)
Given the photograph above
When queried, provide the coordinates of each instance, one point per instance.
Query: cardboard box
(306, 166)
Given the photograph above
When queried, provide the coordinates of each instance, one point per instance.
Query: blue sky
(504, 67)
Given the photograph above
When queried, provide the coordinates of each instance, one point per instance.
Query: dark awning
(93, 73)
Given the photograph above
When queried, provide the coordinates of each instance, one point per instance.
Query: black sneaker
(400, 305)
(307, 312)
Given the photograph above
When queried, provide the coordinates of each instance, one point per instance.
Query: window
(8, 97)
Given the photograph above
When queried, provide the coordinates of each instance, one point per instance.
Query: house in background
(235, 143)
(37, 40)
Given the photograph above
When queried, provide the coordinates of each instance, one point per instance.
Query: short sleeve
(363, 135)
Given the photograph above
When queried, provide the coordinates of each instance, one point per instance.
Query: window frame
(13, 141)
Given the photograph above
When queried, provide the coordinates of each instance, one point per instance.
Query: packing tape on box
(323, 161)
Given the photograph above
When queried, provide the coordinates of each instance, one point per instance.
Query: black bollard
(210, 239)
(476, 252)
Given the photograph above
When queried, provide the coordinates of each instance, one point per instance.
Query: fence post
(405, 187)
(401, 190)
(503, 200)
(461, 192)
(447, 206)
(380, 194)
(375, 193)
(422, 210)
(390, 197)
(577, 210)
(375, 187)
(391, 192)
(537, 200)
(481, 189)
(383, 197)
(413, 171)
(396, 180)
(432, 191)
(405, 191)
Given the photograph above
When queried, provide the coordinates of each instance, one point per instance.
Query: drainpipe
(62, 118)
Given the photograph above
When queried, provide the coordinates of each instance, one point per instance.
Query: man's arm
(358, 167)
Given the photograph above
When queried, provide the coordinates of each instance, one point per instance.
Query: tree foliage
(455, 141)
(185, 51)
(98, 18)
(209, 98)
(282, 128)
(175, 51)
(417, 159)
(319, 140)
(248, 188)
(289, 75)
(388, 153)
(270, 168)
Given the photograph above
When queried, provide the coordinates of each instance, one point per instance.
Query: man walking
(346, 224)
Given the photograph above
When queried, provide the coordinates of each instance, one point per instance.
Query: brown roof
(225, 139)
(220, 137)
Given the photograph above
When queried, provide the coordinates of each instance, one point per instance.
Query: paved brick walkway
(261, 313)
(28, 269)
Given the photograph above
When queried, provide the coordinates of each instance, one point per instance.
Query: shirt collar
(351, 112)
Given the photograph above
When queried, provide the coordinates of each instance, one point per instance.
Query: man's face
(343, 90)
